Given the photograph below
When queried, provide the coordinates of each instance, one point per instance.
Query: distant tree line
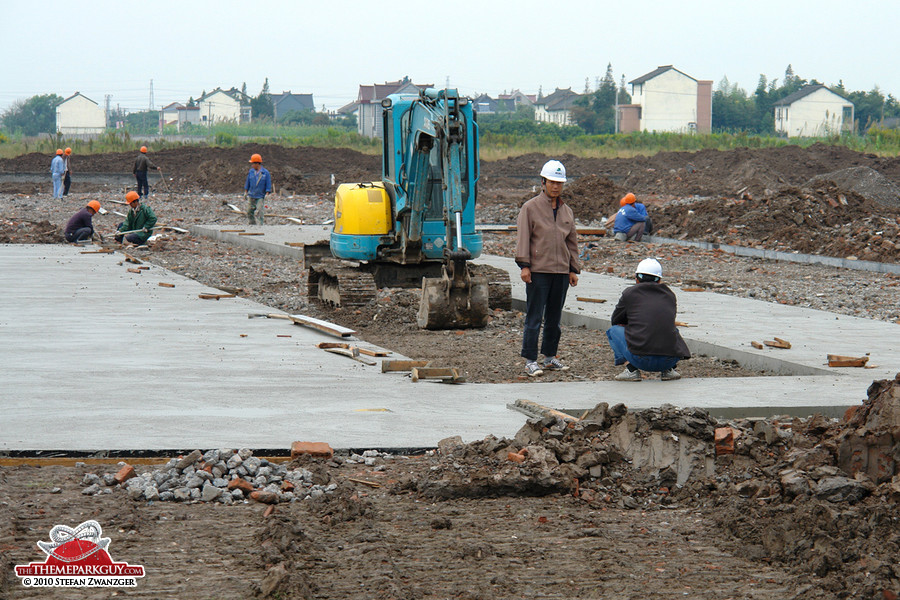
(733, 109)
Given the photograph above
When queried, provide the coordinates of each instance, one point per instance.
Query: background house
(813, 111)
(168, 115)
(368, 103)
(188, 115)
(517, 98)
(556, 108)
(79, 115)
(666, 99)
(224, 106)
(286, 102)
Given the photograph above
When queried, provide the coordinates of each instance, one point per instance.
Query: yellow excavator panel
(362, 209)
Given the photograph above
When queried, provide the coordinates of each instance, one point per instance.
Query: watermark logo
(78, 557)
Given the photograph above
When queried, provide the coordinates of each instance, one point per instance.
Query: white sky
(115, 47)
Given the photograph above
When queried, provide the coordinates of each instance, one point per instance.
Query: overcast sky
(101, 47)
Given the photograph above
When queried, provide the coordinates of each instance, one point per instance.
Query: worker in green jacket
(140, 221)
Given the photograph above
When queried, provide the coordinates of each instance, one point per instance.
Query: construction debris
(444, 375)
(350, 352)
(388, 366)
(835, 360)
(166, 285)
(325, 326)
(585, 299)
(757, 345)
(778, 343)
(215, 296)
(346, 346)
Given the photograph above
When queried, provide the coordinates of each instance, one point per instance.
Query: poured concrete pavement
(97, 358)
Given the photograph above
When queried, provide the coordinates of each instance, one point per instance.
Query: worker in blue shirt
(57, 169)
(632, 221)
(259, 183)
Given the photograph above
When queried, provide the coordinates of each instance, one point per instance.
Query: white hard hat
(554, 171)
(649, 266)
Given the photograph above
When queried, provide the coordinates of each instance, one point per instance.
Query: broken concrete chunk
(188, 460)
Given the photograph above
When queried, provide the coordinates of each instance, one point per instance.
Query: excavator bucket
(453, 302)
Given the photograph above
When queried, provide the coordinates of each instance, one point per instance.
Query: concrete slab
(97, 358)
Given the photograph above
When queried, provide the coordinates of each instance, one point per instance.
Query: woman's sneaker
(533, 369)
(629, 375)
(554, 364)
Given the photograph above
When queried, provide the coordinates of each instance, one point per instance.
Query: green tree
(262, 105)
(732, 109)
(32, 116)
(595, 112)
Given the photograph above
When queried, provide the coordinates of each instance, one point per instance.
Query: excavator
(417, 225)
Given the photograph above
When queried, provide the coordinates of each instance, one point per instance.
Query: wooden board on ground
(325, 326)
(757, 345)
(535, 409)
(215, 296)
(351, 353)
(251, 233)
(586, 299)
(166, 285)
(836, 360)
(232, 230)
(345, 345)
(445, 375)
(778, 343)
(269, 316)
(393, 366)
(101, 251)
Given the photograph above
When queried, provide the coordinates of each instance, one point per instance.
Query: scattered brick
(125, 473)
(241, 484)
(724, 438)
(316, 449)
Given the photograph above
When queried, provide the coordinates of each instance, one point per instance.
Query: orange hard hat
(132, 196)
(256, 158)
(95, 205)
(68, 151)
(59, 150)
(143, 148)
(628, 199)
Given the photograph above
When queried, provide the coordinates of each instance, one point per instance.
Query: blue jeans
(544, 299)
(616, 337)
(57, 186)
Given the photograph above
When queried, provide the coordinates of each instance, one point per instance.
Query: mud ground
(462, 522)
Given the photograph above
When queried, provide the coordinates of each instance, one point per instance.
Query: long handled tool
(165, 183)
(176, 229)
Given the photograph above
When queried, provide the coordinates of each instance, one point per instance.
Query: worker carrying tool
(632, 221)
(138, 223)
(547, 253)
(258, 184)
(643, 335)
(81, 226)
(141, 164)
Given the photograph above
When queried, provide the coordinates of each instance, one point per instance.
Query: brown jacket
(545, 244)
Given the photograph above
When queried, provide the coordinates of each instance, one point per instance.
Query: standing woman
(547, 253)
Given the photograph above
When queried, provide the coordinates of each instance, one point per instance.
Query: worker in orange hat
(57, 170)
(67, 178)
(138, 223)
(81, 226)
(258, 184)
(631, 220)
(141, 164)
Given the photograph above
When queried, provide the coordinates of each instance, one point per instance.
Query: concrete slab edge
(809, 259)
(252, 242)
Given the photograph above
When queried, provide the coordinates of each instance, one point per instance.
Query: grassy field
(493, 146)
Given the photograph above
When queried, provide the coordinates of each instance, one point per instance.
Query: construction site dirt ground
(712, 538)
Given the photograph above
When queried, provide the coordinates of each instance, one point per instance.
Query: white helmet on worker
(649, 266)
(554, 171)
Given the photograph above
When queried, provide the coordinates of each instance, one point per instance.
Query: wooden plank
(269, 316)
(586, 299)
(351, 353)
(215, 296)
(778, 343)
(683, 324)
(166, 285)
(133, 260)
(366, 351)
(138, 271)
(251, 233)
(392, 366)
(784, 343)
(232, 230)
(101, 251)
(373, 484)
(836, 360)
(295, 244)
(324, 326)
(539, 409)
(447, 375)
(757, 345)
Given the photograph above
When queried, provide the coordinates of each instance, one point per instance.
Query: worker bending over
(81, 226)
(139, 222)
(632, 221)
(643, 335)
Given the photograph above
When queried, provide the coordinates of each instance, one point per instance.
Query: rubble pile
(29, 232)
(225, 476)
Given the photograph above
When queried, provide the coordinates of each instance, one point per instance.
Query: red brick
(125, 473)
(287, 486)
(724, 437)
(515, 457)
(317, 449)
(264, 497)
(241, 484)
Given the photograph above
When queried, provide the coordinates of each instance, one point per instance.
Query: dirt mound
(593, 197)
(29, 232)
(864, 181)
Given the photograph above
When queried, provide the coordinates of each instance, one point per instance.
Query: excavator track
(341, 285)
